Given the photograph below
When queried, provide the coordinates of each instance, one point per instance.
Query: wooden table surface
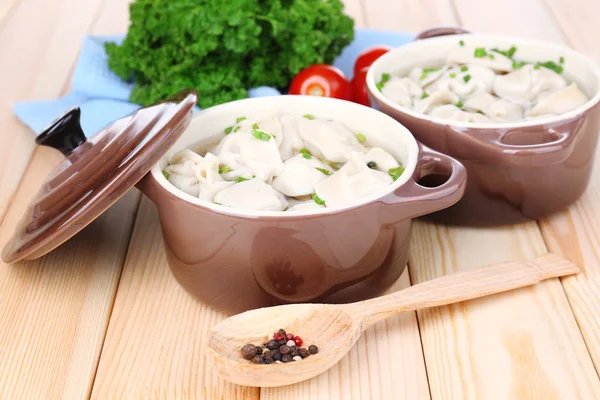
(102, 317)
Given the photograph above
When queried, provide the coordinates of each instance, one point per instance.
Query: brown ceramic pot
(234, 260)
(516, 171)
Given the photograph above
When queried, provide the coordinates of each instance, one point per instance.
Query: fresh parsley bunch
(223, 47)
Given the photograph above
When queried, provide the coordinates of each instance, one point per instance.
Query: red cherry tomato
(359, 88)
(368, 57)
(321, 80)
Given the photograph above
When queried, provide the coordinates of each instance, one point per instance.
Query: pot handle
(441, 31)
(416, 200)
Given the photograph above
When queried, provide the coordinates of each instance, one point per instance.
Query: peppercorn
(272, 345)
(312, 349)
(281, 332)
(289, 336)
(249, 351)
(257, 360)
(286, 358)
(303, 352)
(297, 358)
(259, 350)
(372, 164)
(269, 361)
(284, 349)
(276, 356)
(290, 343)
(298, 341)
(282, 342)
(294, 351)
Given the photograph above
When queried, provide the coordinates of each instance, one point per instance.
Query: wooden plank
(155, 346)
(408, 15)
(524, 344)
(575, 233)
(54, 310)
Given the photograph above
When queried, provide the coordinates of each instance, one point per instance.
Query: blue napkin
(103, 97)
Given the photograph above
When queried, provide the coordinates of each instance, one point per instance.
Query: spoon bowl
(335, 328)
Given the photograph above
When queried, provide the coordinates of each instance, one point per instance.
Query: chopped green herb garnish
(309, 116)
(551, 65)
(480, 112)
(491, 56)
(228, 130)
(424, 95)
(452, 75)
(384, 79)
(480, 52)
(423, 76)
(304, 150)
(237, 128)
(372, 164)
(361, 137)
(307, 156)
(240, 119)
(433, 69)
(464, 68)
(396, 172)
(240, 179)
(467, 78)
(459, 104)
(518, 64)
(166, 174)
(323, 171)
(537, 66)
(561, 60)
(507, 53)
(255, 126)
(317, 200)
(217, 203)
(462, 42)
(224, 168)
(261, 135)
(332, 164)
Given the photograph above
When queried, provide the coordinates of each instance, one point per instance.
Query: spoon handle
(461, 286)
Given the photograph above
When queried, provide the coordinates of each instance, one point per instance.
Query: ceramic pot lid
(97, 171)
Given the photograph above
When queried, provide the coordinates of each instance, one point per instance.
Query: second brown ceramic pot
(516, 171)
(235, 260)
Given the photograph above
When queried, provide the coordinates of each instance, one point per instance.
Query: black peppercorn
(282, 342)
(286, 358)
(269, 361)
(259, 350)
(277, 356)
(272, 345)
(257, 360)
(249, 351)
(293, 351)
(303, 353)
(284, 349)
(267, 353)
(281, 332)
(312, 349)
(372, 164)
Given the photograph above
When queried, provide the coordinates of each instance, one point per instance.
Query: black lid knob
(64, 134)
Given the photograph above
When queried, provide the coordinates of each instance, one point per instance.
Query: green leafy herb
(491, 56)
(237, 128)
(240, 119)
(241, 179)
(224, 168)
(221, 48)
(372, 164)
(255, 126)
(452, 75)
(480, 52)
(307, 156)
(424, 95)
(507, 53)
(261, 135)
(433, 69)
(361, 137)
(551, 65)
(518, 64)
(537, 66)
(561, 60)
(317, 200)
(228, 130)
(464, 68)
(467, 78)
(324, 171)
(396, 172)
(309, 116)
(384, 79)
(480, 112)
(459, 104)
(462, 42)
(214, 202)
(304, 150)
(166, 174)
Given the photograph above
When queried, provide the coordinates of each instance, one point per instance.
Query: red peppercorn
(289, 336)
(298, 341)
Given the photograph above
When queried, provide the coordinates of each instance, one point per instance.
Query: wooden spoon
(335, 328)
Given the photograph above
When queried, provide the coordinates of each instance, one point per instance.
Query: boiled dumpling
(559, 102)
(305, 206)
(464, 80)
(424, 77)
(328, 140)
(493, 107)
(527, 83)
(196, 175)
(352, 182)
(383, 160)
(467, 54)
(245, 154)
(402, 91)
(436, 99)
(300, 175)
(253, 194)
(290, 141)
(273, 127)
(453, 113)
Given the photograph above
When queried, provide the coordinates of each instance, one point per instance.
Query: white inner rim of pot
(207, 128)
(428, 53)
